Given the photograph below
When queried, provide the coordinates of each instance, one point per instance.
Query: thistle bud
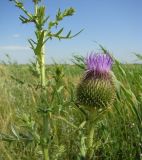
(96, 89)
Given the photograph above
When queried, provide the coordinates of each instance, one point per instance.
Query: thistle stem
(42, 68)
(90, 143)
(90, 137)
(45, 115)
(45, 152)
(45, 137)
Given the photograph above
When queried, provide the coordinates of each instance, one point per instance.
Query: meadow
(118, 132)
(90, 110)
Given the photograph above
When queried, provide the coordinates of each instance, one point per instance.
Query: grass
(118, 133)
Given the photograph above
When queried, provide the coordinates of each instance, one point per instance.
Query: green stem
(45, 137)
(45, 115)
(42, 68)
(46, 155)
(90, 149)
(90, 137)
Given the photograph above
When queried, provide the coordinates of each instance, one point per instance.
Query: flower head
(99, 63)
(96, 88)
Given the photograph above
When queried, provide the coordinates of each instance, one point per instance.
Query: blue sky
(115, 24)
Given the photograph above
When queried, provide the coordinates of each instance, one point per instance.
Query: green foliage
(117, 133)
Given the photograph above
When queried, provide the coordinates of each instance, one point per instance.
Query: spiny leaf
(32, 46)
(68, 35)
(76, 34)
(45, 20)
(59, 32)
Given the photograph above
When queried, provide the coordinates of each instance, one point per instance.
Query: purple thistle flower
(96, 88)
(99, 64)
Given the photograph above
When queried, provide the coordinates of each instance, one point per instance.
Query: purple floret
(99, 63)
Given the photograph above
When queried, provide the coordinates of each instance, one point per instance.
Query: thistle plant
(43, 34)
(95, 92)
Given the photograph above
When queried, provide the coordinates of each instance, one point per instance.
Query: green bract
(96, 93)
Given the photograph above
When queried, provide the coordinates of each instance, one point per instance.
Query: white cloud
(14, 48)
(15, 35)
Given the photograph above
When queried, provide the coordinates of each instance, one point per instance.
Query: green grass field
(118, 132)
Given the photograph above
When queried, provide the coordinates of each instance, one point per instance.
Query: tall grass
(118, 133)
